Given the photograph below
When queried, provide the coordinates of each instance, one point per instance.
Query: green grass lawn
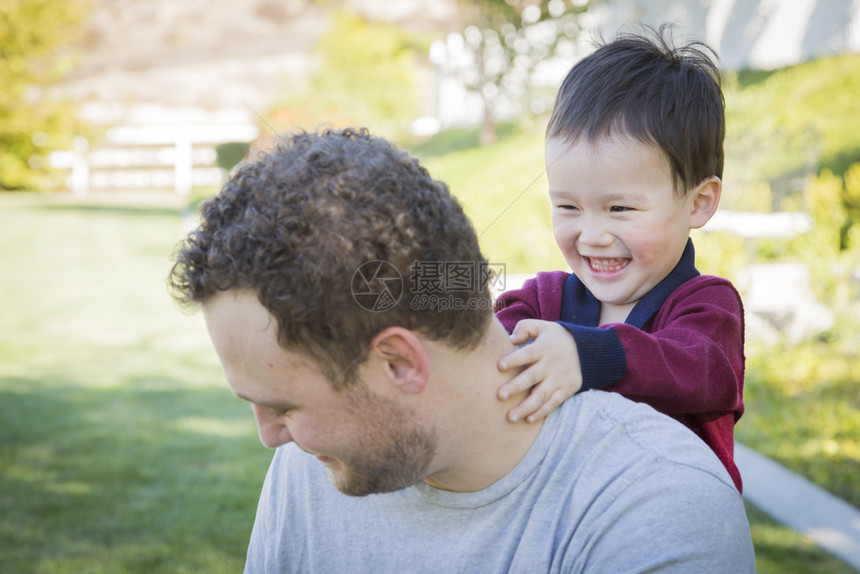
(803, 410)
(121, 447)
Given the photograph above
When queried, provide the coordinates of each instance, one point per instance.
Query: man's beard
(391, 451)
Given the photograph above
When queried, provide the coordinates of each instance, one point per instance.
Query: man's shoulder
(620, 432)
(643, 476)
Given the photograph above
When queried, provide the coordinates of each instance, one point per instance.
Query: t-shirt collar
(581, 307)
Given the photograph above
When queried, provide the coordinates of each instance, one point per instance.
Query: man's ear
(405, 358)
(705, 199)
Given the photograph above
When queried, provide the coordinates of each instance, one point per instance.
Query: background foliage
(365, 75)
(34, 35)
(507, 41)
(793, 123)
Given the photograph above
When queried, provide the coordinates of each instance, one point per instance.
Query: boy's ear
(404, 358)
(705, 198)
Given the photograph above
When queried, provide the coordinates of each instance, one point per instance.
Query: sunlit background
(121, 448)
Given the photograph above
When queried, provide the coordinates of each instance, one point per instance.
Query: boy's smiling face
(617, 218)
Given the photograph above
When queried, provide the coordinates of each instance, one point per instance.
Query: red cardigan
(681, 349)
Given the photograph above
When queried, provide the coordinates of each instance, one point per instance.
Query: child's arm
(539, 298)
(553, 372)
(688, 360)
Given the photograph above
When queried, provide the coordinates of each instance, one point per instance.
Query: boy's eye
(620, 208)
(567, 207)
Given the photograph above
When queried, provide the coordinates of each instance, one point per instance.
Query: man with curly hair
(313, 267)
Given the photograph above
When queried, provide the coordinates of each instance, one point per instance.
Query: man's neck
(478, 444)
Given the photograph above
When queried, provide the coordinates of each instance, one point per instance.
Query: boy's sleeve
(690, 361)
(539, 298)
(602, 357)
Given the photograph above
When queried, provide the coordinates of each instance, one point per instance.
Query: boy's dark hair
(643, 86)
(297, 223)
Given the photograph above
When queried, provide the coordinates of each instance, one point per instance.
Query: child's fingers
(528, 406)
(522, 382)
(519, 358)
(554, 400)
(525, 330)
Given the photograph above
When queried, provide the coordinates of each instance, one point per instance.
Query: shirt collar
(581, 307)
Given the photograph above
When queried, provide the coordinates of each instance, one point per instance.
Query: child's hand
(553, 375)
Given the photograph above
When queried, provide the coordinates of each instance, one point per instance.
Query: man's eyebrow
(277, 406)
(252, 400)
(243, 397)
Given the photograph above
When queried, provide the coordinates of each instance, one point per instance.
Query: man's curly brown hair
(295, 224)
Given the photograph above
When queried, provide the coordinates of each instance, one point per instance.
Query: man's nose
(272, 427)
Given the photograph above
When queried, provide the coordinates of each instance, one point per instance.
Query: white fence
(150, 156)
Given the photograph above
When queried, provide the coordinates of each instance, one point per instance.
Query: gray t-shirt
(608, 486)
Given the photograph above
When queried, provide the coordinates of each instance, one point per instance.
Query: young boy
(634, 156)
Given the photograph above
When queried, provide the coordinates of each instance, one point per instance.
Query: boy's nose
(595, 233)
(272, 427)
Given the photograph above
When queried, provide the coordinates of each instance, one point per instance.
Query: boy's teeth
(606, 264)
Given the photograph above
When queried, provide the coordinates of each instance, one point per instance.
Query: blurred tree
(508, 39)
(786, 126)
(851, 200)
(365, 76)
(32, 36)
(368, 71)
(228, 155)
(825, 249)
